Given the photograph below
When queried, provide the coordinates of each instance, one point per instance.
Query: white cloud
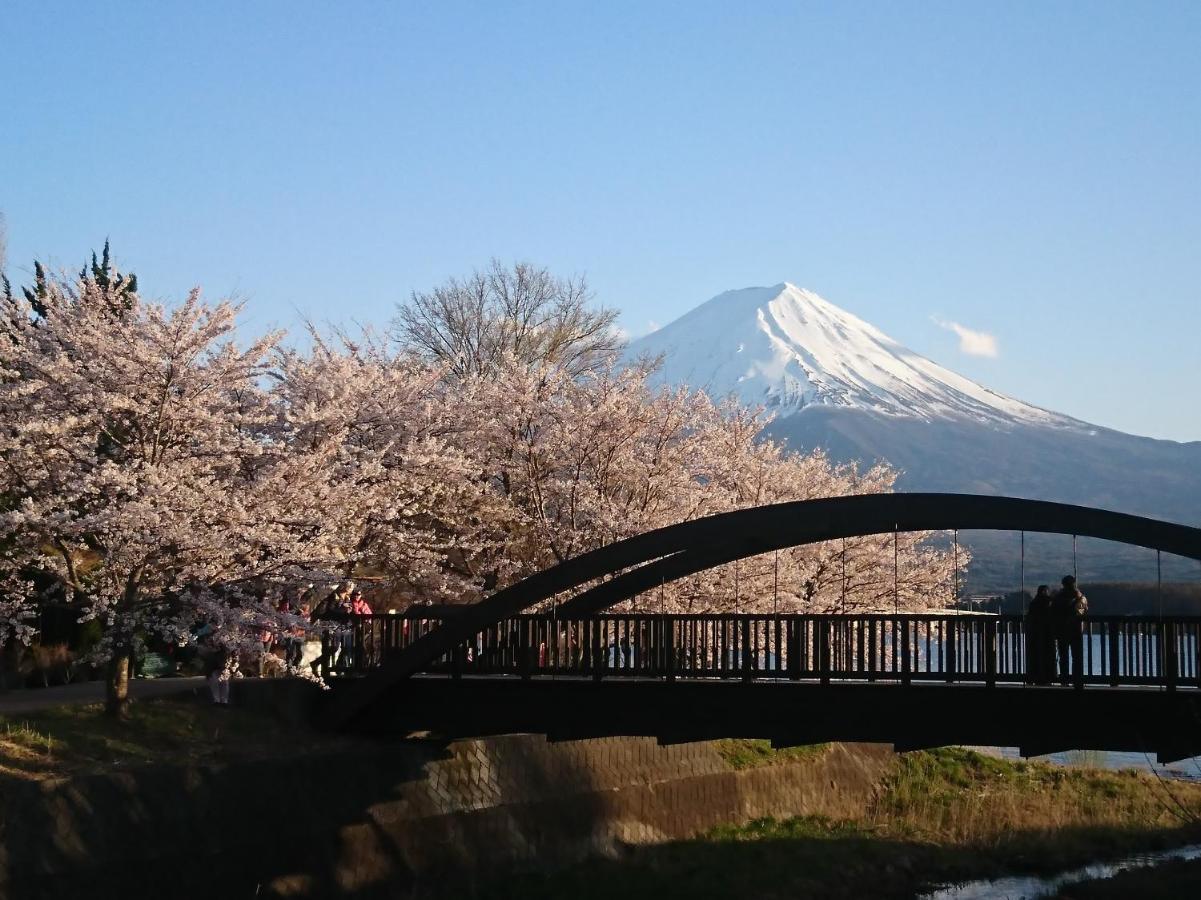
(971, 342)
(627, 335)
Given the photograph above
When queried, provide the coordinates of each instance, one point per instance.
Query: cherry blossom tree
(396, 497)
(134, 446)
(581, 461)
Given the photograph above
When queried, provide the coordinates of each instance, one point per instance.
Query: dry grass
(22, 741)
(959, 795)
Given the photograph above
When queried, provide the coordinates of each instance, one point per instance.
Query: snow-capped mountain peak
(788, 348)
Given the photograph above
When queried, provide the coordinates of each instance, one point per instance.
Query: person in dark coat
(334, 608)
(337, 604)
(1068, 610)
(1040, 639)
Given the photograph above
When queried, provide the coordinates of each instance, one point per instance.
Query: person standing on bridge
(1040, 638)
(1068, 610)
(335, 608)
(358, 607)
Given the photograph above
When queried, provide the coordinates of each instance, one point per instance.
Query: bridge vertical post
(594, 643)
(745, 647)
(1196, 630)
(872, 649)
(525, 651)
(1114, 668)
(950, 633)
(669, 648)
(990, 652)
(823, 650)
(793, 630)
(906, 650)
(1168, 655)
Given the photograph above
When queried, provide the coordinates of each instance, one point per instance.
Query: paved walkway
(33, 699)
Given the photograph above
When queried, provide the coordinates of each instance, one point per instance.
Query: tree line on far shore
(159, 473)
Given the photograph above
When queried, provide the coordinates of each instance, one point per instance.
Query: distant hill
(1124, 599)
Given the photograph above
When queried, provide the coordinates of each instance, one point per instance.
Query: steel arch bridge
(637, 564)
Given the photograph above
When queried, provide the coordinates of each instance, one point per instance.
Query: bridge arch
(665, 554)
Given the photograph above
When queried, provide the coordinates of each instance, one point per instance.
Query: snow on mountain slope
(839, 384)
(788, 349)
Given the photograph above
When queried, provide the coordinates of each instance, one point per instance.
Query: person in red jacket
(358, 606)
(360, 637)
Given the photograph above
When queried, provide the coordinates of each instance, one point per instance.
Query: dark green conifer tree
(101, 272)
(37, 294)
(106, 277)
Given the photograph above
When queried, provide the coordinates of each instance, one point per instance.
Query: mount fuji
(835, 382)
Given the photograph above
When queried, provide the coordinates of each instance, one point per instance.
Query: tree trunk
(10, 664)
(117, 702)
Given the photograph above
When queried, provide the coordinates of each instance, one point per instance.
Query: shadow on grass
(812, 857)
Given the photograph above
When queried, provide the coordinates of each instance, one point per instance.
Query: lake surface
(1183, 770)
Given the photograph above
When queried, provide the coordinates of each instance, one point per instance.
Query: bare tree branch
(470, 326)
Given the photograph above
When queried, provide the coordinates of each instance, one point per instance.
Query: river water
(1029, 887)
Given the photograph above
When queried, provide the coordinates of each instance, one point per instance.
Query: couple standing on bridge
(1055, 627)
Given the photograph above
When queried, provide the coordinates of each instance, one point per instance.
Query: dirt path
(33, 699)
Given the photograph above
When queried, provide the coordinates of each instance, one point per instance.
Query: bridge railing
(987, 649)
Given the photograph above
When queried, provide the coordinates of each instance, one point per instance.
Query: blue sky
(1031, 171)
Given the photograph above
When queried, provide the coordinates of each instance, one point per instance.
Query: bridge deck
(1038, 720)
(799, 662)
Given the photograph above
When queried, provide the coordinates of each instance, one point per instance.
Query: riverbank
(250, 804)
(942, 816)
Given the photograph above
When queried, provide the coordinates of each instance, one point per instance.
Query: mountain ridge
(787, 348)
(835, 382)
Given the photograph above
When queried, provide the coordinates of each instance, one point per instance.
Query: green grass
(177, 730)
(961, 795)
(750, 754)
(27, 738)
(940, 816)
